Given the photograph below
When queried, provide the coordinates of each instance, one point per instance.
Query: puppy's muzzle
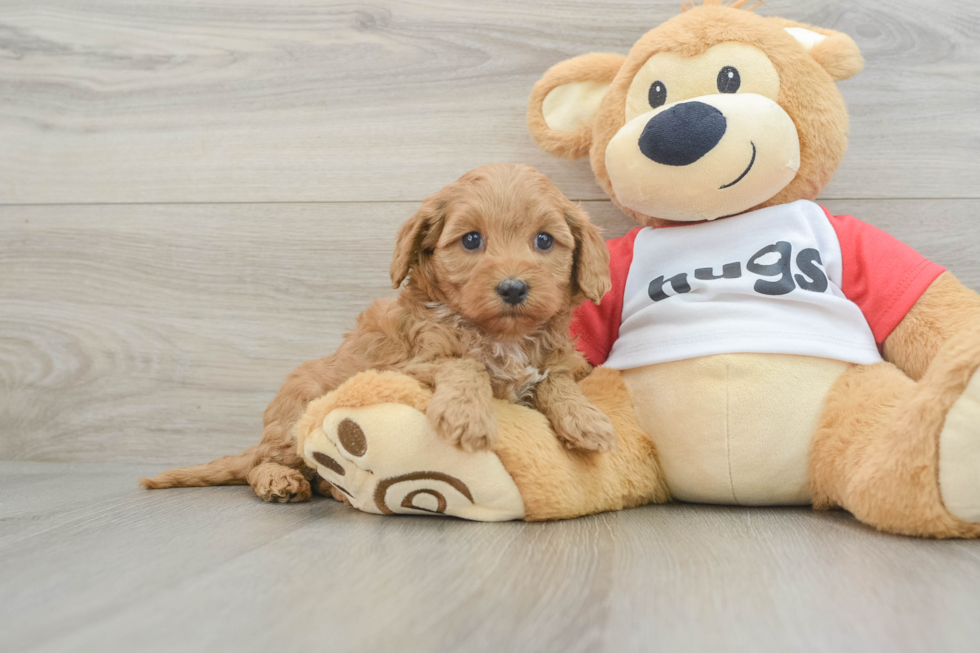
(513, 291)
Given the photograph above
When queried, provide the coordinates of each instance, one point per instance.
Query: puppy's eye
(473, 240)
(658, 94)
(544, 241)
(729, 80)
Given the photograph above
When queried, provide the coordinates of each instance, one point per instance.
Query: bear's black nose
(513, 291)
(683, 133)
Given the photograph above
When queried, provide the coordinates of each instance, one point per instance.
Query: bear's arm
(946, 308)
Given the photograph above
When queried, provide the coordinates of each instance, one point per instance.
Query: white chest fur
(512, 376)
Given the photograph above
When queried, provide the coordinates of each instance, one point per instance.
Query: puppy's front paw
(583, 426)
(469, 425)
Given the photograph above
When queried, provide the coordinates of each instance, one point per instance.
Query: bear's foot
(371, 441)
(959, 455)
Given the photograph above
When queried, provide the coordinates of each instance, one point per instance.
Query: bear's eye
(729, 80)
(658, 94)
(544, 241)
(473, 240)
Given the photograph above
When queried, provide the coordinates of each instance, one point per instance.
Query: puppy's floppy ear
(417, 238)
(564, 103)
(836, 52)
(591, 272)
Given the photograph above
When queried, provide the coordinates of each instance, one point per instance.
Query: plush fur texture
(877, 442)
(553, 482)
(838, 54)
(449, 328)
(596, 67)
(734, 428)
(371, 441)
(807, 92)
(367, 388)
(559, 484)
(876, 452)
(945, 309)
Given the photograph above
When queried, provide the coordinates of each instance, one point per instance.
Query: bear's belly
(734, 428)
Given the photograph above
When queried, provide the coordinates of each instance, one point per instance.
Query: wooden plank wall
(195, 197)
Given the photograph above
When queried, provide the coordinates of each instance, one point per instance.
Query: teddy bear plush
(754, 349)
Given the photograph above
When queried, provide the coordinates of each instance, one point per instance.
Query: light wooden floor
(197, 196)
(99, 567)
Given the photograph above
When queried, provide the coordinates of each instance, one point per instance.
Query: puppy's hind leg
(274, 482)
(278, 473)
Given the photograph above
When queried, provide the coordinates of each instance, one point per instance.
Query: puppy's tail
(230, 470)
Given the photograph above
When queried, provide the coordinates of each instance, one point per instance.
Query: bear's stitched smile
(742, 176)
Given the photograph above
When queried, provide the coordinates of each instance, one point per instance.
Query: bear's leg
(901, 455)
(559, 483)
(371, 440)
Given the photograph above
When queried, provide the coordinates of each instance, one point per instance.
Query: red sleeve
(882, 275)
(595, 328)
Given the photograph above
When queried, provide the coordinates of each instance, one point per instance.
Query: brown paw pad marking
(329, 463)
(409, 500)
(333, 466)
(352, 437)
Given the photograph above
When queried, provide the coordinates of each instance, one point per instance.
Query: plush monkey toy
(757, 349)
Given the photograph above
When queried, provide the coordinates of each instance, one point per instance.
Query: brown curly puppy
(494, 264)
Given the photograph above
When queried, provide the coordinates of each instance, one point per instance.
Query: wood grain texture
(92, 563)
(309, 100)
(158, 334)
(150, 304)
(172, 317)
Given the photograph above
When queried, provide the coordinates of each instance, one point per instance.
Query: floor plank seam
(109, 612)
(419, 200)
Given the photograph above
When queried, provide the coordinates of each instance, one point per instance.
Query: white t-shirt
(768, 281)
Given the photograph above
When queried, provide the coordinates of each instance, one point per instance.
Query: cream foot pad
(959, 455)
(387, 460)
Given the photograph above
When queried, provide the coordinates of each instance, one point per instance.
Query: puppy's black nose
(513, 291)
(683, 133)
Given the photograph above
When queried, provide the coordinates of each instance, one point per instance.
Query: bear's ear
(564, 103)
(836, 52)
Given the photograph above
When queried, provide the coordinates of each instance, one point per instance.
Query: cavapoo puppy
(492, 266)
